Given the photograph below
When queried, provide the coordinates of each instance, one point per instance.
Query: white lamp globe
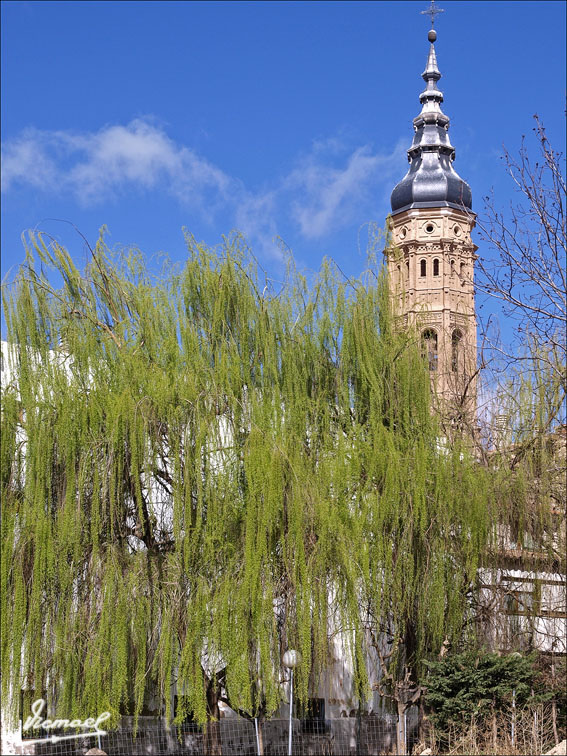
(291, 659)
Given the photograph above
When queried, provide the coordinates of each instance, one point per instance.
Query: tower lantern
(431, 255)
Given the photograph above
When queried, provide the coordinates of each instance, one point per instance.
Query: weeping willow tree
(199, 473)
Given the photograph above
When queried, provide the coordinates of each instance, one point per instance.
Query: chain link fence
(527, 731)
(233, 736)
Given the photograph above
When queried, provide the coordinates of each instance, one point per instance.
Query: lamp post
(290, 660)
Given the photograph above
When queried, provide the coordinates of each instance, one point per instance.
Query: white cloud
(118, 155)
(25, 160)
(96, 166)
(255, 216)
(330, 197)
(325, 190)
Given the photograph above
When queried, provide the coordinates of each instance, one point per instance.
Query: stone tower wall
(431, 270)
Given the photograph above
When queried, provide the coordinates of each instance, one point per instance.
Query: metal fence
(232, 736)
(527, 731)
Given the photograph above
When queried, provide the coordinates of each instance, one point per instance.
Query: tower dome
(431, 180)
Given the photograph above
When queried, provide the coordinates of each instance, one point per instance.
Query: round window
(457, 230)
(403, 233)
(430, 228)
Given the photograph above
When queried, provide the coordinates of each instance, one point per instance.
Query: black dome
(431, 180)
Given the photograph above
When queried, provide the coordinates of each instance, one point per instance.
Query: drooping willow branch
(196, 476)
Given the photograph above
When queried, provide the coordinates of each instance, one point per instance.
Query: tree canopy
(199, 472)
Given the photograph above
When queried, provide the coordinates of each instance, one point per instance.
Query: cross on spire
(432, 11)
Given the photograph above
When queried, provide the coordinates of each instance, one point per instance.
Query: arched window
(429, 348)
(407, 269)
(422, 268)
(436, 267)
(456, 350)
(463, 272)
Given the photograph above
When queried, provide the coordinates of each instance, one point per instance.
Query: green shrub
(467, 684)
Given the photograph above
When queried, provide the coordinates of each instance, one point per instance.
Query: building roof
(431, 180)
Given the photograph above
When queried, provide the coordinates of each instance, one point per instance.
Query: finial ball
(432, 35)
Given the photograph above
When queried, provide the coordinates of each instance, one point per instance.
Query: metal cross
(432, 11)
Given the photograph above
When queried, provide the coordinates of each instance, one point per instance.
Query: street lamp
(290, 660)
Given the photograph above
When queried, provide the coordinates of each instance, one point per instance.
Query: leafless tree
(527, 274)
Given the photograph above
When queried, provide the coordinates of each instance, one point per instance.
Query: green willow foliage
(196, 474)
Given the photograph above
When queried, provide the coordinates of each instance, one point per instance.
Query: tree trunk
(421, 721)
(259, 723)
(212, 741)
(554, 702)
(401, 730)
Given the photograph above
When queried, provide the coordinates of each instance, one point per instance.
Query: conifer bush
(480, 684)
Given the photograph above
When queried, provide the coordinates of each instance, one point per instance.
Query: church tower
(431, 255)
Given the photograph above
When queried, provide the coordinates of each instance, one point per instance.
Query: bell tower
(431, 255)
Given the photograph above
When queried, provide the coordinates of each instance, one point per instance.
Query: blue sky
(286, 119)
